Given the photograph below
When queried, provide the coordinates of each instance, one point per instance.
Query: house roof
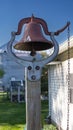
(18, 53)
(63, 52)
(4, 48)
(64, 46)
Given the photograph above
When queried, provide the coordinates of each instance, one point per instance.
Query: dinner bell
(33, 38)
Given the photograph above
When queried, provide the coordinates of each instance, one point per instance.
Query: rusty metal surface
(33, 37)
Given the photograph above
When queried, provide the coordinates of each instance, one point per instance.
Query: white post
(33, 106)
(33, 103)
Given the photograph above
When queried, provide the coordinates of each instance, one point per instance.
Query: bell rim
(24, 46)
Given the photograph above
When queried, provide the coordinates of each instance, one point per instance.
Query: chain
(68, 99)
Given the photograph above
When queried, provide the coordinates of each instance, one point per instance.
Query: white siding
(57, 78)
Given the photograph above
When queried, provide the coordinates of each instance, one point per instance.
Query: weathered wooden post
(33, 40)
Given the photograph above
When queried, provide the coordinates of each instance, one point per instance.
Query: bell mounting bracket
(34, 67)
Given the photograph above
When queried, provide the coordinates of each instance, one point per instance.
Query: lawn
(13, 115)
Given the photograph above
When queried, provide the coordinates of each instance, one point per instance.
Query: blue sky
(55, 12)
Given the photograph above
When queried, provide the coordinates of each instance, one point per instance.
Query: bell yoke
(33, 40)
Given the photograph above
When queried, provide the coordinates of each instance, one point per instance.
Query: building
(59, 71)
(14, 75)
(13, 70)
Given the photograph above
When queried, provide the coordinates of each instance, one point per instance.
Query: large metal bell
(33, 38)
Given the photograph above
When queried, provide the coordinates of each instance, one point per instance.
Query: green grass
(13, 115)
(44, 113)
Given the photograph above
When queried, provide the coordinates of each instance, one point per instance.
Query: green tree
(44, 54)
(1, 73)
(44, 77)
(44, 80)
